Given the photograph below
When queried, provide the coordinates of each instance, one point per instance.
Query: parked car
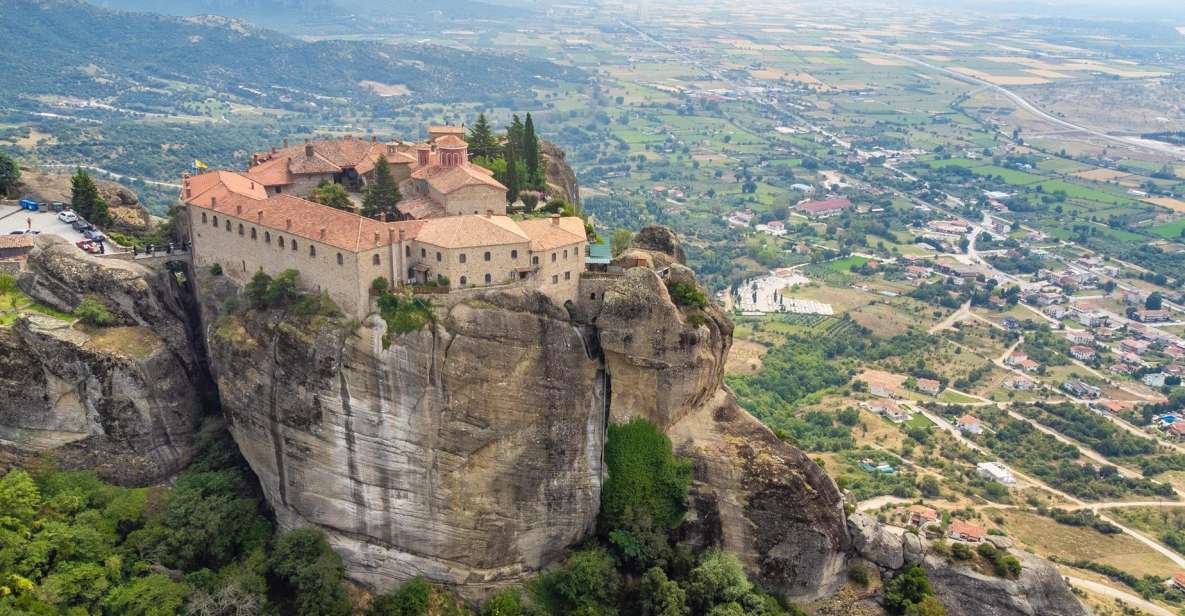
(88, 246)
(93, 235)
(68, 217)
(81, 225)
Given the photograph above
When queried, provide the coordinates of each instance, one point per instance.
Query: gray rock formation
(468, 452)
(1039, 591)
(125, 400)
(561, 179)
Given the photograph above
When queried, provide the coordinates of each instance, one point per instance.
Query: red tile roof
(968, 530)
(16, 241)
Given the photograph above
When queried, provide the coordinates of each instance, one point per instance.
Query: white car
(67, 217)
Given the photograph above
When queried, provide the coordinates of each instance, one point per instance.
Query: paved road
(1126, 597)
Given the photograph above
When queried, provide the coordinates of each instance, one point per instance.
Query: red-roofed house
(966, 531)
(824, 209)
(969, 424)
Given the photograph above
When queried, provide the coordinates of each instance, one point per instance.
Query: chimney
(402, 235)
(322, 232)
(188, 191)
(213, 201)
(382, 217)
(259, 216)
(489, 213)
(288, 224)
(285, 143)
(555, 220)
(252, 185)
(308, 150)
(423, 154)
(238, 210)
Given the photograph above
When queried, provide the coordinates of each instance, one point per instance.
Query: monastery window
(592, 295)
(294, 245)
(280, 241)
(567, 275)
(376, 260)
(487, 255)
(553, 257)
(555, 279)
(279, 189)
(489, 278)
(565, 254)
(535, 260)
(461, 257)
(312, 250)
(340, 260)
(204, 221)
(513, 254)
(228, 225)
(423, 253)
(215, 221)
(242, 229)
(254, 234)
(438, 256)
(267, 237)
(407, 251)
(464, 280)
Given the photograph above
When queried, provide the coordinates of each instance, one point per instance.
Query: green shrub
(506, 602)
(7, 283)
(688, 295)
(94, 313)
(216, 269)
(858, 574)
(403, 314)
(379, 285)
(960, 551)
(415, 598)
(905, 592)
(588, 583)
(312, 572)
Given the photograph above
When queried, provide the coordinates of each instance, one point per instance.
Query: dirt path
(949, 322)
(1113, 593)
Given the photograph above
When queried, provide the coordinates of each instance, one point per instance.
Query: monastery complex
(453, 227)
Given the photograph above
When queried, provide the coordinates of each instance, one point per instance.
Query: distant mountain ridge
(318, 10)
(70, 48)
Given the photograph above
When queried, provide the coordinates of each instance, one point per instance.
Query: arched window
(513, 254)
(312, 250)
(242, 229)
(267, 237)
(376, 260)
(553, 257)
(204, 221)
(487, 255)
(228, 224)
(461, 257)
(464, 280)
(294, 245)
(254, 235)
(489, 278)
(215, 221)
(280, 241)
(340, 260)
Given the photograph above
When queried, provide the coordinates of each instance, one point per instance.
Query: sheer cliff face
(469, 452)
(124, 400)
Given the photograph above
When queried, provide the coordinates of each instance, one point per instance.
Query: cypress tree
(10, 175)
(514, 136)
(512, 180)
(531, 153)
(482, 141)
(382, 195)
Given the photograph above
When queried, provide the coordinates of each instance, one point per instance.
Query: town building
(1179, 580)
(929, 386)
(825, 208)
(238, 223)
(1155, 379)
(994, 471)
(1083, 353)
(969, 424)
(966, 531)
(889, 409)
(1082, 389)
(1138, 347)
(1153, 316)
(1020, 383)
(775, 228)
(1080, 337)
(921, 516)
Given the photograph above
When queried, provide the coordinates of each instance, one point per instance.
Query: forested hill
(70, 48)
(320, 10)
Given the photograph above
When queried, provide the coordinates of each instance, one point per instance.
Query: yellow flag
(197, 164)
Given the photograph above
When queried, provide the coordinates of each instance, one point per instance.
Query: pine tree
(482, 141)
(383, 194)
(531, 154)
(512, 180)
(85, 198)
(10, 175)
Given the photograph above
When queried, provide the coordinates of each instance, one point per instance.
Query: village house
(994, 471)
(966, 531)
(929, 386)
(824, 209)
(1155, 379)
(1109, 406)
(1179, 580)
(1081, 389)
(740, 218)
(1176, 430)
(1153, 316)
(1080, 337)
(889, 409)
(1131, 345)
(969, 424)
(922, 516)
(1083, 353)
(235, 223)
(1018, 359)
(775, 228)
(1020, 383)
(15, 248)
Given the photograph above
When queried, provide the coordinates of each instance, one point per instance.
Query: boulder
(1039, 591)
(878, 543)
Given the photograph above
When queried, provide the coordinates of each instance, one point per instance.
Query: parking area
(12, 218)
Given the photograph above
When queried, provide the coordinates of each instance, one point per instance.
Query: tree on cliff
(333, 195)
(482, 142)
(645, 493)
(383, 194)
(312, 571)
(85, 199)
(531, 154)
(10, 175)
